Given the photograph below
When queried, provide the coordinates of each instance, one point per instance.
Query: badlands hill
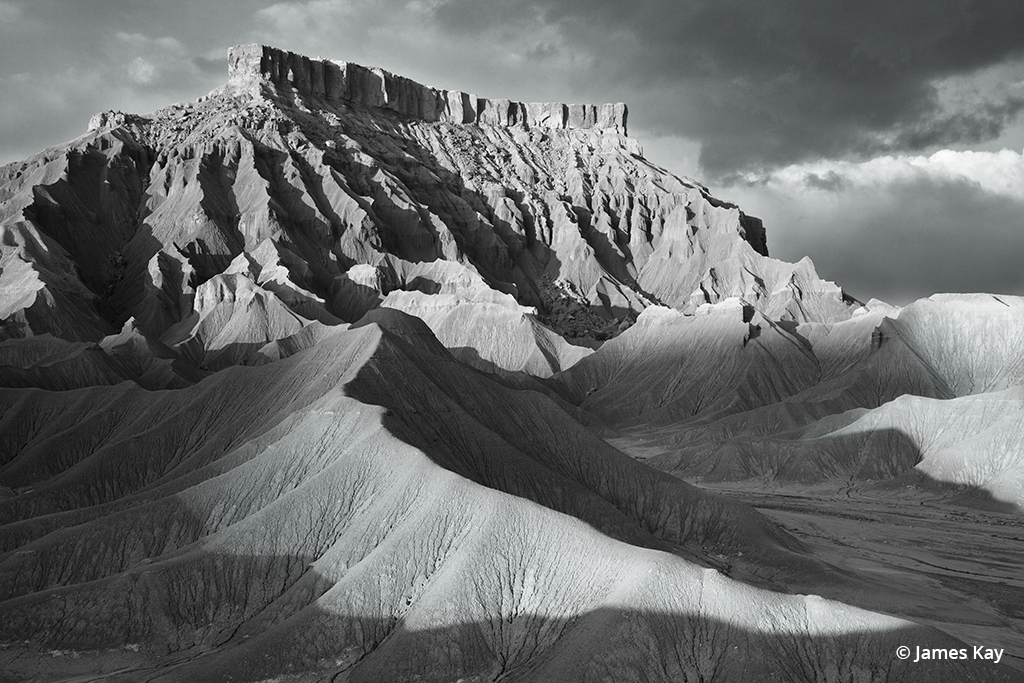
(331, 375)
(316, 191)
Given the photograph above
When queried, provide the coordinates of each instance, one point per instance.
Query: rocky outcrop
(404, 482)
(373, 87)
(114, 119)
(330, 188)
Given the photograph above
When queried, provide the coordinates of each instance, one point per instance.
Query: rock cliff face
(370, 87)
(329, 186)
(240, 437)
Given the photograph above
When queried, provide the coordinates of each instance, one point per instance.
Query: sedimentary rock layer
(373, 87)
(309, 380)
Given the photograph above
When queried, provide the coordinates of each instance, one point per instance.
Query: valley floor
(947, 566)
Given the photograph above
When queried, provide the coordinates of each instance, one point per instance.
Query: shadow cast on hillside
(602, 644)
(191, 597)
(511, 258)
(213, 618)
(883, 460)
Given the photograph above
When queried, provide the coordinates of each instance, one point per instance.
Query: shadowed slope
(361, 506)
(316, 534)
(80, 452)
(731, 372)
(948, 445)
(671, 367)
(327, 201)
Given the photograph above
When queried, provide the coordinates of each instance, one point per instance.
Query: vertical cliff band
(373, 87)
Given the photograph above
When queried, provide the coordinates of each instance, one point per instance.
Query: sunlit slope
(317, 532)
(80, 455)
(672, 367)
(951, 445)
(490, 331)
(695, 371)
(223, 224)
(728, 395)
(973, 342)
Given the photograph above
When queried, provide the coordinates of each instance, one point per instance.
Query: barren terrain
(334, 376)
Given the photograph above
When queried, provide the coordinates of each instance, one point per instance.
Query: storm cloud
(766, 84)
(787, 107)
(900, 227)
(757, 84)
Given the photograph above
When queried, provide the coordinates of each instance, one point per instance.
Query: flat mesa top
(374, 87)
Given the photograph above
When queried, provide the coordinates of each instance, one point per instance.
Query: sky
(883, 139)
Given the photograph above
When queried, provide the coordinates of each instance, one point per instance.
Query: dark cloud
(831, 181)
(899, 239)
(956, 239)
(764, 84)
(750, 86)
(542, 51)
(985, 121)
(757, 84)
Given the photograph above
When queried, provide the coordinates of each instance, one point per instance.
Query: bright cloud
(141, 71)
(999, 173)
(140, 41)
